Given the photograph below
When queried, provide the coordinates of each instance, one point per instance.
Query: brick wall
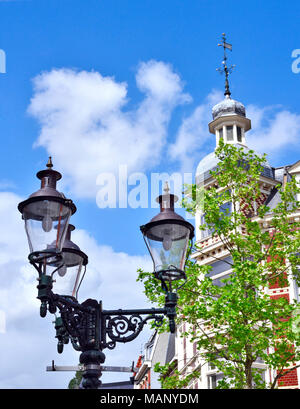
(288, 380)
(278, 290)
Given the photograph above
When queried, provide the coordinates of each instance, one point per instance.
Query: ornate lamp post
(167, 237)
(87, 325)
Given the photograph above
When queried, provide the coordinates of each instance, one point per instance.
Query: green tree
(75, 382)
(236, 323)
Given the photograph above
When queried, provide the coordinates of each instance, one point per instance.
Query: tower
(230, 123)
(229, 116)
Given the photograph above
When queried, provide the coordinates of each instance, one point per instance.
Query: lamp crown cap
(49, 163)
(166, 188)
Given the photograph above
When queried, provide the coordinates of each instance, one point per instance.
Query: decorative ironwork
(88, 327)
(119, 326)
(92, 329)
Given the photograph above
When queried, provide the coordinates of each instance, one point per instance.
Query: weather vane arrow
(226, 70)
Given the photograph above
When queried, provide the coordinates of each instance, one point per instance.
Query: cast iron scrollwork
(77, 323)
(125, 329)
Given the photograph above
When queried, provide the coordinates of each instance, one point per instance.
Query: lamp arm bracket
(125, 325)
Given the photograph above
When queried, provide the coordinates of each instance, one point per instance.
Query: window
(221, 270)
(207, 232)
(229, 133)
(213, 380)
(239, 134)
(148, 349)
(218, 280)
(220, 266)
(263, 378)
(225, 209)
(221, 133)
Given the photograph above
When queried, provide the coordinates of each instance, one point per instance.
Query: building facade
(159, 349)
(231, 124)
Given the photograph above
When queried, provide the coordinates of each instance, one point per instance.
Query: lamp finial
(166, 188)
(49, 163)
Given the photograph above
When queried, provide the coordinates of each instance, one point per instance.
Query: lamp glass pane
(67, 279)
(168, 246)
(46, 225)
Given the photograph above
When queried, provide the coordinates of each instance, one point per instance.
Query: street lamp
(58, 259)
(167, 237)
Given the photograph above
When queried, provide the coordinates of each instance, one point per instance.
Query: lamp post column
(92, 359)
(92, 356)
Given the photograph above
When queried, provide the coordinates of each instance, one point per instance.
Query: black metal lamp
(167, 237)
(46, 214)
(87, 325)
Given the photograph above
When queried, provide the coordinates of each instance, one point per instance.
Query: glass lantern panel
(67, 280)
(168, 246)
(46, 225)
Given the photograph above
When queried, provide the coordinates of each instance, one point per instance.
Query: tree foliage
(237, 323)
(75, 382)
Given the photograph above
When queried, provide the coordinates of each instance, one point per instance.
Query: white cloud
(85, 127)
(274, 129)
(158, 80)
(193, 134)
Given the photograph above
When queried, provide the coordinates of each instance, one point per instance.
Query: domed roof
(206, 164)
(210, 162)
(228, 107)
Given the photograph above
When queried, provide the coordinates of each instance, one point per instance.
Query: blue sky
(99, 84)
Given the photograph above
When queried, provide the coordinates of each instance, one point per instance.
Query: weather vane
(226, 70)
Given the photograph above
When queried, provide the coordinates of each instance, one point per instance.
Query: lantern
(167, 238)
(69, 276)
(46, 214)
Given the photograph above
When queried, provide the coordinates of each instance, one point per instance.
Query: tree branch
(281, 374)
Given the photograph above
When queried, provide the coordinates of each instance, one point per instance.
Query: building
(231, 124)
(159, 349)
